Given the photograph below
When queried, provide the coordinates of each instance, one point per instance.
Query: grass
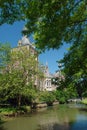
(7, 111)
(84, 101)
(11, 110)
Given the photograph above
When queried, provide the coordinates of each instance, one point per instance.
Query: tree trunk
(19, 101)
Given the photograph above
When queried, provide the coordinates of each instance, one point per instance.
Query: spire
(25, 30)
(25, 40)
(46, 63)
(46, 69)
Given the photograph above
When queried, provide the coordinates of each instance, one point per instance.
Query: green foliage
(84, 101)
(47, 97)
(23, 72)
(5, 51)
(61, 96)
(30, 93)
(7, 111)
(18, 77)
(11, 11)
(54, 22)
(84, 94)
(75, 67)
(71, 91)
(51, 21)
(23, 109)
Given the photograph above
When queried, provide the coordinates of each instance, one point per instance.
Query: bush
(47, 97)
(84, 101)
(61, 96)
(24, 109)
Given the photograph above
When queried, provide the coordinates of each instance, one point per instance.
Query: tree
(47, 97)
(5, 51)
(75, 67)
(11, 11)
(55, 22)
(52, 22)
(23, 71)
(19, 77)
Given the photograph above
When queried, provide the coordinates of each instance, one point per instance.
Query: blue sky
(12, 34)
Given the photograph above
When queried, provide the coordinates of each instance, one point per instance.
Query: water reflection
(66, 119)
(61, 117)
(1, 128)
(54, 126)
(80, 123)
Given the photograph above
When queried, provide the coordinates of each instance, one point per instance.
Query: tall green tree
(5, 51)
(75, 67)
(23, 72)
(19, 77)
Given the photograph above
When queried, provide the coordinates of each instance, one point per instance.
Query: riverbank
(84, 101)
(60, 117)
(13, 112)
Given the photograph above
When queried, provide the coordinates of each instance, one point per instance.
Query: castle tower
(25, 40)
(24, 45)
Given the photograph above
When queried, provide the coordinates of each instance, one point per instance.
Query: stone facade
(47, 81)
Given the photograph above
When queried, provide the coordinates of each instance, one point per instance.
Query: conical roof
(25, 41)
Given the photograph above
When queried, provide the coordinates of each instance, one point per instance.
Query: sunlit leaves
(51, 21)
(75, 66)
(19, 74)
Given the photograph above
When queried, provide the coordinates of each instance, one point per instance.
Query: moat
(60, 117)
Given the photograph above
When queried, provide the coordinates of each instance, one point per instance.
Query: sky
(12, 34)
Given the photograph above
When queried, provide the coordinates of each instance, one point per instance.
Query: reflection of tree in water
(56, 122)
(1, 128)
(54, 126)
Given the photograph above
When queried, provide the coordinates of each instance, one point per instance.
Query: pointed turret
(25, 30)
(25, 40)
(46, 70)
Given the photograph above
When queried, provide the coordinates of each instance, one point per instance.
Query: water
(61, 117)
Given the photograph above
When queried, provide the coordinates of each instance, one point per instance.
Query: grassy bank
(11, 111)
(84, 101)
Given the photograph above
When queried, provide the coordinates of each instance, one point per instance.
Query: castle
(46, 83)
